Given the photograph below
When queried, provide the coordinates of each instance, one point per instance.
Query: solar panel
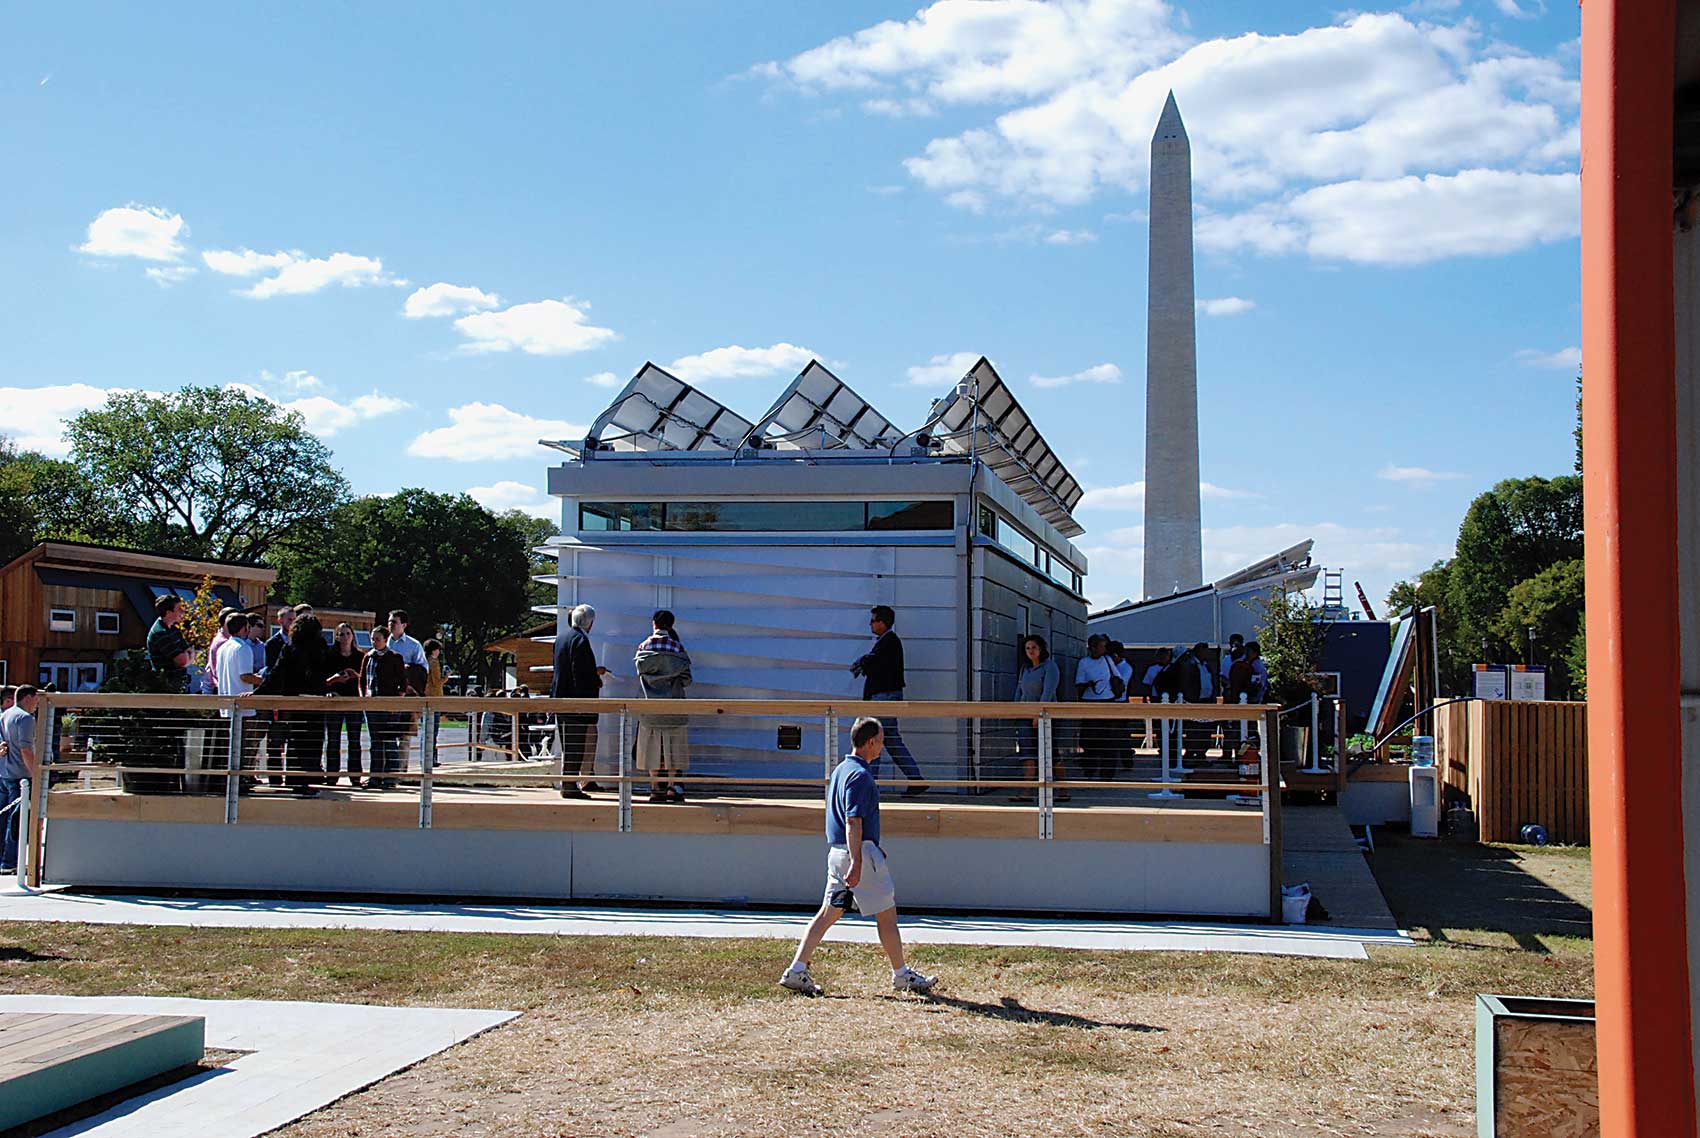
(659, 411)
(983, 417)
(820, 411)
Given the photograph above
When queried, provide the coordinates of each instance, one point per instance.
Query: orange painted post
(1628, 416)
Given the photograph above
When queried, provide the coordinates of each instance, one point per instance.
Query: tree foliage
(1290, 634)
(461, 572)
(43, 498)
(1518, 564)
(204, 472)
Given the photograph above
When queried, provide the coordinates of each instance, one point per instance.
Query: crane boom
(1364, 601)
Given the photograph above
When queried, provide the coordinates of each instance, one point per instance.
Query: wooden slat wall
(1516, 763)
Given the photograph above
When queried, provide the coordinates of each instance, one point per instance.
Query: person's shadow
(1010, 1010)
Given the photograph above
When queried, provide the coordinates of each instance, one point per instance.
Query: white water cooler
(1425, 801)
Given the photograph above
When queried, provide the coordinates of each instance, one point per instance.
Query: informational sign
(1490, 682)
(1528, 681)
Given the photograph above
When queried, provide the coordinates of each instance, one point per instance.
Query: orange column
(1634, 722)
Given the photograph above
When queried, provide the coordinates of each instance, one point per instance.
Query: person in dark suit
(577, 676)
(881, 670)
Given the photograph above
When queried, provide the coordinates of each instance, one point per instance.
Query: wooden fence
(1517, 762)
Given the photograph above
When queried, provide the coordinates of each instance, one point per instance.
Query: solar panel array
(820, 411)
(660, 411)
(983, 417)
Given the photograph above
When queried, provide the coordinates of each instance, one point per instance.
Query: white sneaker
(909, 980)
(799, 980)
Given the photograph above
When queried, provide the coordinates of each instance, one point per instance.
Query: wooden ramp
(1318, 847)
(52, 1061)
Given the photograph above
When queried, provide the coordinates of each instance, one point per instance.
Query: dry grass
(628, 1036)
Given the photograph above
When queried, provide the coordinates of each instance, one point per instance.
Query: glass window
(106, 623)
(911, 515)
(1021, 545)
(988, 522)
(747, 517)
(765, 517)
(604, 517)
(62, 620)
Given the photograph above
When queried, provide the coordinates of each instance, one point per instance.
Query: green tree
(1550, 603)
(42, 498)
(1290, 633)
(1511, 533)
(204, 472)
(461, 572)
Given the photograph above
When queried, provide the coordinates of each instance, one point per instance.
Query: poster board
(1488, 681)
(1528, 681)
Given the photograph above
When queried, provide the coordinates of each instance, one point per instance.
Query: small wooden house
(67, 608)
(532, 655)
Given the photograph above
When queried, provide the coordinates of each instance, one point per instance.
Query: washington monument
(1174, 540)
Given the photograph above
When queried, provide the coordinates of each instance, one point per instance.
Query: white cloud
(1226, 306)
(964, 51)
(322, 415)
(899, 108)
(479, 431)
(1517, 12)
(244, 262)
(1565, 359)
(604, 379)
(295, 274)
(1408, 220)
(1128, 496)
(294, 382)
(144, 231)
(36, 416)
(1353, 107)
(735, 362)
(1416, 475)
(1131, 496)
(540, 328)
(1070, 237)
(442, 299)
(1100, 373)
(508, 495)
(167, 275)
(941, 371)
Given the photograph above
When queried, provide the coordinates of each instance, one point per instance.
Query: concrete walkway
(1317, 846)
(290, 1072)
(1100, 935)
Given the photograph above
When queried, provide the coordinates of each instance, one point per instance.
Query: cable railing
(1038, 759)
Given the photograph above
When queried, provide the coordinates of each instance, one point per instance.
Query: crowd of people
(302, 749)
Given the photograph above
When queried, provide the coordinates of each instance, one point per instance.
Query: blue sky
(441, 232)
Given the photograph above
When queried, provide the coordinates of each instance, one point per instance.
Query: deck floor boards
(1318, 847)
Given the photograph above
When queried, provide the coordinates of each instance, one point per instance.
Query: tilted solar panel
(820, 411)
(660, 411)
(983, 417)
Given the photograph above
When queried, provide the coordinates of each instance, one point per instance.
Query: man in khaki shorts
(856, 869)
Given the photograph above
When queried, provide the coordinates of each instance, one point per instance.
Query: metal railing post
(233, 782)
(21, 823)
(625, 770)
(1244, 723)
(829, 743)
(1047, 773)
(427, 763)
(1163, 727)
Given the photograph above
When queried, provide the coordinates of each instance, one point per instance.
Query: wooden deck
(1093, 815)
(50, 1061)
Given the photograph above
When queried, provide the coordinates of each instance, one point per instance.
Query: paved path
(291, 1071)
(1092, 934)
(1317, 846)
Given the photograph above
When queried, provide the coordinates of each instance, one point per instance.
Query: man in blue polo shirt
(856, 869)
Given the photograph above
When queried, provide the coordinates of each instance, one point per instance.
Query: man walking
(17, 731)
(856, 869)
(577, 676)
(881, 669)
